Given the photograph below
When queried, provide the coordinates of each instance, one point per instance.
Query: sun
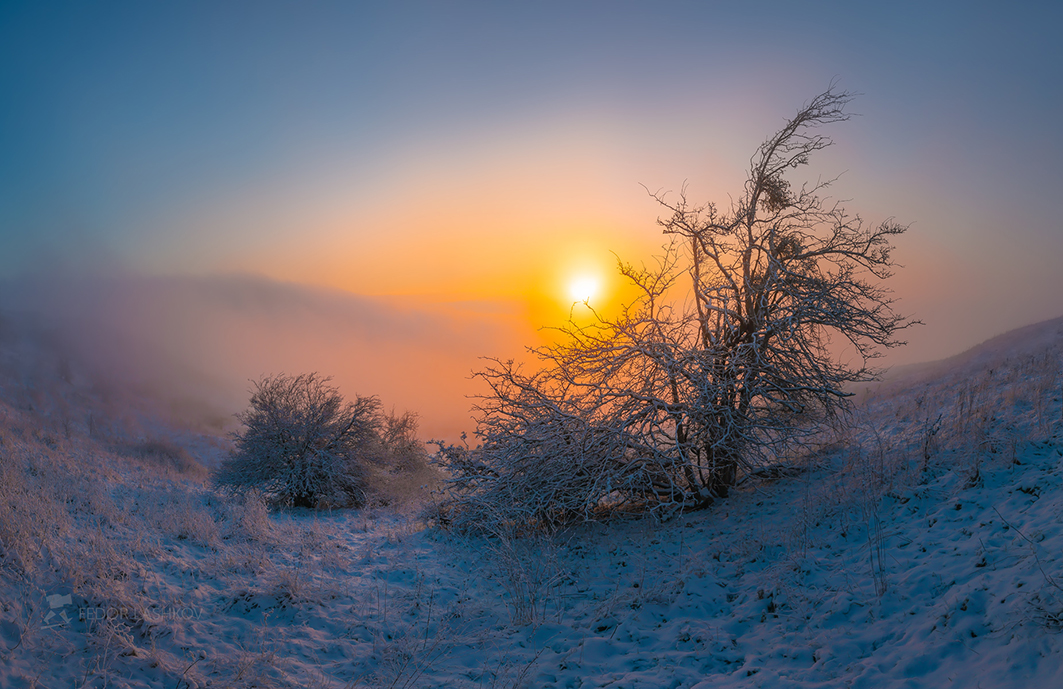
(583, 288)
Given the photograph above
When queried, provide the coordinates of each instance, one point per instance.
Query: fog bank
(195, 344)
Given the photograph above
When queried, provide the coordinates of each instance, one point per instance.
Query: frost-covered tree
(728, 356)
(303, 445)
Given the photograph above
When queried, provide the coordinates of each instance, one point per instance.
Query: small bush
(303, 445)
(540, 473)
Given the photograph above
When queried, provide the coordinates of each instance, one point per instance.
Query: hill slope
(922, 547)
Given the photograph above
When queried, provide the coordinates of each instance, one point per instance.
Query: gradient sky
(448, 154)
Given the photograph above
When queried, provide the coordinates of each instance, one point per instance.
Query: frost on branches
(723, 362)
(303, 444)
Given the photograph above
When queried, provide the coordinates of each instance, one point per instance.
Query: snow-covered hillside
(923, 547)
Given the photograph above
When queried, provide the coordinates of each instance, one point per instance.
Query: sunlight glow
(583, 289)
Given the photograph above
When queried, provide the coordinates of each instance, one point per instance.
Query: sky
(454, 167)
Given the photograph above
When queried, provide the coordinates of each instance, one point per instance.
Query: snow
(892, 556)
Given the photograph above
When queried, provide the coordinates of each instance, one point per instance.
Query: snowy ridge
(922, 548)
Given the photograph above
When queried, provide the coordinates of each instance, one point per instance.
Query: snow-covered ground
(922, 548)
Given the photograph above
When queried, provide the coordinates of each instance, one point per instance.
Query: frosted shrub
(539, 473)
(303, 445)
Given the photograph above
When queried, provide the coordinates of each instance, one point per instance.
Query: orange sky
(441, 172)
(517, 218)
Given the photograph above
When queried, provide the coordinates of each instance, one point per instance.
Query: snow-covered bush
(303, 445)
(540, 470)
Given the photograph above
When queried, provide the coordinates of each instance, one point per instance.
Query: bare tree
(303, 445)
(724, 360)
